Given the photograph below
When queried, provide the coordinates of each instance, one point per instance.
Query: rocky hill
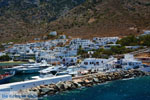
(21, 20)
(106, 18)
(24, 19)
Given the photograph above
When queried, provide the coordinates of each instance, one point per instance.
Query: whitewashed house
(69, 60)
(129, 62)
(54, 33)
(84, 43)
(95, 64)
(105, 40)
(147, 32)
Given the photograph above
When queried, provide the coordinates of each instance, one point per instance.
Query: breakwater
(85, 81)
(18, 86)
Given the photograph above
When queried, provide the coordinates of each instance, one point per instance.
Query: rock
(77, 84)
(68, 85)
(42, 86)
(88, 85)
(35, 89)
(109, 78)
(60, 85)
(79, 81)
(46, 90)
(126, 76)
(96, 80)
(54, 87)
(38, 87)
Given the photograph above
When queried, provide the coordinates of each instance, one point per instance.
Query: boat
(71, 70)
(29, 68)
(43, 75)
(53, 69)
(50, 71)
(4, 78)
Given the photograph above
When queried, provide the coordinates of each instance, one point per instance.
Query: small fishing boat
(4, 78)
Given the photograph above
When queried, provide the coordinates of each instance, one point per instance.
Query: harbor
(47, 68)
(53, 85)
(74, 49)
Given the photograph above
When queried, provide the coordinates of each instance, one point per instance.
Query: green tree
(4, 58)
(131, 40)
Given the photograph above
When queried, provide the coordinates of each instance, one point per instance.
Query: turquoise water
(133, 89)
(22, 77)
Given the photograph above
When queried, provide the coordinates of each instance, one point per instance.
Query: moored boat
(5, 78)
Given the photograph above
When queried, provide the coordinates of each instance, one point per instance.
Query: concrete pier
(33, 83)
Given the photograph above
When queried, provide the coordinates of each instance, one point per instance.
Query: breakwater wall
(17, 86)
(85, 81)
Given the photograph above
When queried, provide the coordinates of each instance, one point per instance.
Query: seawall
(84, 81)
(17, 86)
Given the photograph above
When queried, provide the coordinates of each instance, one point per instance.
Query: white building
(96, 64)
(129, 62)
(147, 32)
(105, 40)
(54, 33)
(69, 60)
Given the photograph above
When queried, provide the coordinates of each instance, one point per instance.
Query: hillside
(22, 20)
(106, 18)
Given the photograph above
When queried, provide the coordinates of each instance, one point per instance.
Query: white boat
(13, 69)
(50, 71)
(29, 68)
(43, 75)
(53, 69)
(72, 70)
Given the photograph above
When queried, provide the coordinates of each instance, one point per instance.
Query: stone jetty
(85, 81)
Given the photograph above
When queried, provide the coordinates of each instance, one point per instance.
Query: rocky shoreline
(85, 81)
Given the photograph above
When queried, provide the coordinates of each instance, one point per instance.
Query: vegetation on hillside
(143, 40)
(131, 40)
(4, 58)
(23, 20)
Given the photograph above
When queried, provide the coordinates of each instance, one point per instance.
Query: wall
(33, 83)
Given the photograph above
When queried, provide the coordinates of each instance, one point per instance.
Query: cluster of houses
(61, 50)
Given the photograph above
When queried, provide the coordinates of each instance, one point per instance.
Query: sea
(131, 89)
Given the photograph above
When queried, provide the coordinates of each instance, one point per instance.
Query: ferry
(4, 78)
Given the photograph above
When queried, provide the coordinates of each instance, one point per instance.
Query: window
(85, 63)
(71, 60)
(97, 63)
